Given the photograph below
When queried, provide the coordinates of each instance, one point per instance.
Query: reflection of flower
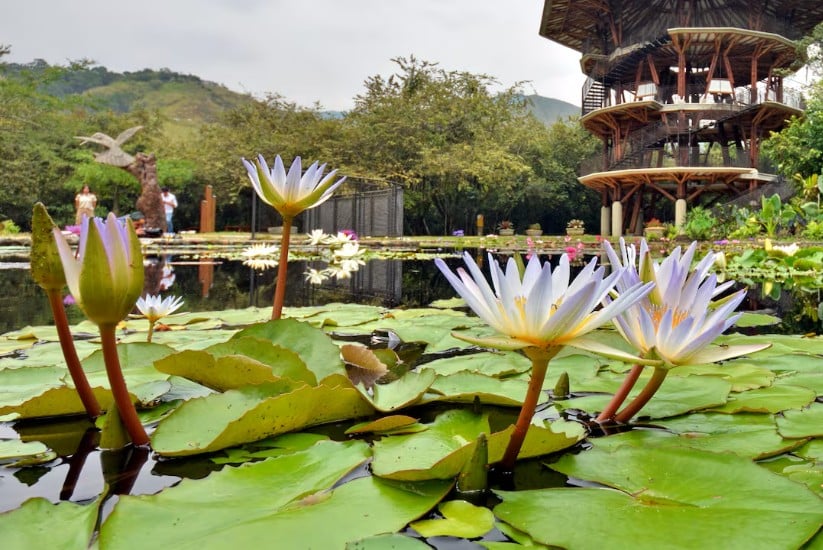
(315, 277)
(290, 194)
(260, 256)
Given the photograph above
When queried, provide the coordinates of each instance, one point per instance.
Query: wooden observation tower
(681, 92)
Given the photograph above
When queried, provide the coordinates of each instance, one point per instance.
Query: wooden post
(208, 208)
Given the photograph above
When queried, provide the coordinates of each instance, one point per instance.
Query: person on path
(84, 203)
(169, 203)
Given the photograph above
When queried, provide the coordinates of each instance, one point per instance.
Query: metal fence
(369, 208)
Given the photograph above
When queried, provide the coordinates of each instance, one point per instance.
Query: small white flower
(260, 264)
(787, 250)
(316, 237)
(352, 264)
(315, 277)
(154, 308)
(348, 251)
(257, 250)
(340, 238)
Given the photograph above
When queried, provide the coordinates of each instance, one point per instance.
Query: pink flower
(571, 252)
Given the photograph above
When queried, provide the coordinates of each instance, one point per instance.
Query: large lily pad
(41, 524)
(806, 422)
(313, 346)
(284, 499)
(676, 396)
(441, 451)
(775, 398)
(665, 497)
(247, 414)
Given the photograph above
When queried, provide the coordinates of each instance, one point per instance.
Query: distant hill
(187, 102)
(549, 110)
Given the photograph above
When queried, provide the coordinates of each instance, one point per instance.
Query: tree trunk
(150, 202)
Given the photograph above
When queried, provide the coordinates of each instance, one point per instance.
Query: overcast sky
(305, 50)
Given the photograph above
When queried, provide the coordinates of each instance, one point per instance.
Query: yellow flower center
(657, 312)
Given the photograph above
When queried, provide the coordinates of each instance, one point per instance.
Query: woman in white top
(84, 203)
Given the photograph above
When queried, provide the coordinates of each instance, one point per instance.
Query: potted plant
(575, 227)
(534, 230)
(505, 228)
(654, 229)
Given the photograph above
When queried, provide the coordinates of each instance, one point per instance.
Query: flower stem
(282, 265)
(622, 392)
(78, 377)
(644, 396)
(151, 331)
(118, 387)
(540, 358)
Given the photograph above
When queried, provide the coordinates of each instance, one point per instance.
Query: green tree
(453, 143)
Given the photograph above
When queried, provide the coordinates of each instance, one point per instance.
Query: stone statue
(141, 166)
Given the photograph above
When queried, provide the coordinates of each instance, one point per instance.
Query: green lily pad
(460, 519)
(742, 375)
(750, 435)
(662, 495)
(773, 399)
(464, 387)
(22, 453)
(675, 397)
(384, 542)
(312, 345)
(280, 499)
(441, 451)
(807, 422)
(40, 524)
(402, 392)
(488, 363)
(251, 413)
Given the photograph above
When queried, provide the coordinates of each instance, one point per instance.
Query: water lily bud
(106, 276)
(46, 267)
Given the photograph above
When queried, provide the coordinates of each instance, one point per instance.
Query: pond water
(213, 284)
(217, 284)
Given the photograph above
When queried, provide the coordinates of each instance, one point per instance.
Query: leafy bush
(8, 227)
(700, 224)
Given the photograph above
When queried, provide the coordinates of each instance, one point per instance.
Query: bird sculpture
(113, 154)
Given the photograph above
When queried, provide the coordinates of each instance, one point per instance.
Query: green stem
(643, 397)
(622, 392)
(78, 377)
(122, 399)
(282, 265)
(540, 358)
(151, 331)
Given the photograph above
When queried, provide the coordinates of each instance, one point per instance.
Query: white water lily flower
(259, 249)
(339, 239)
(543, 308)
(260, 264)
(154, 308)
(678, 320)
(786, 250)
(316, 237)
(292, 193)
(351, 264)
(315, 277)
(338, 272)
(349, 250)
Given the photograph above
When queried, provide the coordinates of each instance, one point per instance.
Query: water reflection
(210, 283)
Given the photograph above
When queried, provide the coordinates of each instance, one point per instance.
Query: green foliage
(700, 224)
(8, 227)
(798, 148)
